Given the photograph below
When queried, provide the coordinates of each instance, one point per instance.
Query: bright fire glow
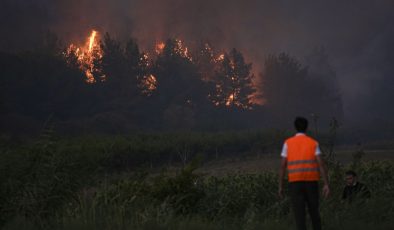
(230, 100)
(87, 55)
(148, 84)
(182, 50)
(92, 39)
(220, 58)
(179, 49)
(160, 47)
(90, 53)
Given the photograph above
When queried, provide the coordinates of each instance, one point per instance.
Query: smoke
(356, 35)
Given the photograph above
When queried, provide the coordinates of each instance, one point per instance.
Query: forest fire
(220, 68)
(87, 55)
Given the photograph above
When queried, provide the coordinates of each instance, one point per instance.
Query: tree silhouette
(290, 90)
(178, 80)
(234, 82)
(321, 72)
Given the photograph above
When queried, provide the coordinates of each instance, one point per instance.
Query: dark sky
(357, 35)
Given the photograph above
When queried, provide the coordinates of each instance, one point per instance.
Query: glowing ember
(160, 47)
(151, 83)
(230, 100)
(220, 58)
(184, 51)
(148, 84)
(181, 50)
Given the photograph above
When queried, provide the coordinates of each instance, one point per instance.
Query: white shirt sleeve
(284, 151)
(317, 151)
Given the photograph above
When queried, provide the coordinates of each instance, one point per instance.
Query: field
(271, 161)
(177, 181)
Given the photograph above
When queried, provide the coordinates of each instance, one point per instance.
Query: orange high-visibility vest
(301, 159)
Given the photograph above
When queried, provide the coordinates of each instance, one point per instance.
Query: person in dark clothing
(354, 190)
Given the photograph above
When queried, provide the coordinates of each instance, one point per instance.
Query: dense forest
(115, 87)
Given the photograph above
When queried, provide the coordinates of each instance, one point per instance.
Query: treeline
(175, 89)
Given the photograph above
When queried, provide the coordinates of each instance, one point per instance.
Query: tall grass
(74, 184)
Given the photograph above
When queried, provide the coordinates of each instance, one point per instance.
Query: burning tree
(233, 82)
(180, 89)
(87, 57)
(142, 68)
(123, 67)
(207, 64)
(224, 78)
(173, 80)
(177, 76)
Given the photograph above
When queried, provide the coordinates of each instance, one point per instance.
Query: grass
(75, 184)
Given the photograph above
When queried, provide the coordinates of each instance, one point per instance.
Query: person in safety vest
(301, 156)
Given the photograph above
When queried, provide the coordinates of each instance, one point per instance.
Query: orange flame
(87, 55)
(182, 51)
(91, 52)
(160, 47)
(220, 58)
(92, 39)
(230, 100)
(148, 84)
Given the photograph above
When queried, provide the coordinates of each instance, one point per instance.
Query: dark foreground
(88, 184)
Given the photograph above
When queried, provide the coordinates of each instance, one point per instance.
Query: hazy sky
(358, 35)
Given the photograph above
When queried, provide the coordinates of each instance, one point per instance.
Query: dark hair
(301, 124)
(351, 173)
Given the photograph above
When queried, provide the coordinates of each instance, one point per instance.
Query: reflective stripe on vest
(301, 162)
(301, 159)
(303, 170)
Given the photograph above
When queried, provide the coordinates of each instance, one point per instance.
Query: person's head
(350, 178)
(301, 124)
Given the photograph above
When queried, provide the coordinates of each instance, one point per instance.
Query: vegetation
(123, 131)
(163, 105)
(115, 88)
(92, 183)
(306, 87)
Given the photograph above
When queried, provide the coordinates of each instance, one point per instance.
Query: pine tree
(234, 82)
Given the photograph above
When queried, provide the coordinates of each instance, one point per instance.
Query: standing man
(301, 156)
